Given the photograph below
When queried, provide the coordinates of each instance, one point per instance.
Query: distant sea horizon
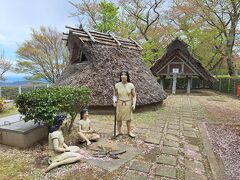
(14, 78)
(18, 79)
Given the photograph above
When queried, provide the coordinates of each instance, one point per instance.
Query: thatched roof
(101, 60)
(102, 38)
(178, 48)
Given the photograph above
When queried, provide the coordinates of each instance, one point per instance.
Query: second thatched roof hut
(96, 60)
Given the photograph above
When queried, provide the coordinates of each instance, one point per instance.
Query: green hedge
(227, 85)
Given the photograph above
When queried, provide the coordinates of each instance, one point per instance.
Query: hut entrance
(178, 63)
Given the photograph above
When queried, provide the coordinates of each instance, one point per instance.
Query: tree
(43, 56)
(5, 65)
(224, 15)
(144, 14)
(144, 17)
(102, 16)
(197, 33)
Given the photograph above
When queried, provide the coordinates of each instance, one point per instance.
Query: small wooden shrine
(178, 62)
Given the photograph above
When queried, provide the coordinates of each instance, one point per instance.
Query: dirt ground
(173, 139)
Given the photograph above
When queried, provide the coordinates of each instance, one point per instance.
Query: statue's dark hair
(58, 120)
(128, 77)
(82, 112)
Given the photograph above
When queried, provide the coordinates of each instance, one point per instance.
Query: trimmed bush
(2, 102)
(41, 105)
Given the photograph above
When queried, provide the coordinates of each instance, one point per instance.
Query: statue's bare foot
(88, 143)
(119, 133)
(131, 135)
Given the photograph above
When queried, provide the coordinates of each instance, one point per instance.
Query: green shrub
(2, 102)
(9, 92)
(41, 105)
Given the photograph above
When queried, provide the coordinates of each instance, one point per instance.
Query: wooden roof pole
(89, 34)
(77, 29)
(135, 42)
(119, 44)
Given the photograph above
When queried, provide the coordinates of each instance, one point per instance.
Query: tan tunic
(85, 126)
(59, 156)
(124, 101)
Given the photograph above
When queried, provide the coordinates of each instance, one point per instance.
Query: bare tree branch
(5, 65)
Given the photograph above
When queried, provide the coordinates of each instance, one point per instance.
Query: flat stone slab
(186, 115)
(166, 171)
(194, 166)
(187, 125)
(153, 140)
(174, 123)
(189, 129)
(156, 129)
(172, 137)
(140, 131)
(191, 147)
(173, 131)
(171, 143)
(113, 164)
(159, 123)
(189, 175)
(10, 119)
(140, 166)
(169, 150)
(191, 154)
(176, 127)
(167, 159)
(131, 175)
(190, 134)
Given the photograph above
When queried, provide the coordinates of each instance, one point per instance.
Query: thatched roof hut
(97, 58)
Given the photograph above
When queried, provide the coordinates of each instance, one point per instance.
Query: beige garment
(85, 124)
(90, 136)
(124, 101)
(60, 156)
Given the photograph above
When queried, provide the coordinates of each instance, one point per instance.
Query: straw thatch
(97, 58)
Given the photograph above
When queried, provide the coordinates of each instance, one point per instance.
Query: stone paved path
(178, 147)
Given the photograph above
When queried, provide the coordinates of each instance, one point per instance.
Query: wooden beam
(96, 32)
(161, 82)
(89, 34)
(188, 84)
(174, 84)
(135, 42)
(80, 34)
(77, 29)
(119, 44)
